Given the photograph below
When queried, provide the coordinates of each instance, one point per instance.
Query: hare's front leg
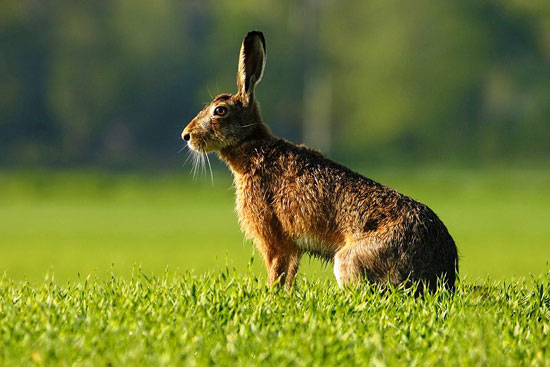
(292, 268)
(282, 261)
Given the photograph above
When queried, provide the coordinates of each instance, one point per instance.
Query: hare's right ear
(251, 65)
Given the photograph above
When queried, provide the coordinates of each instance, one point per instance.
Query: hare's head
(232, 119)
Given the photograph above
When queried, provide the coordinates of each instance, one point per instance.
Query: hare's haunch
(292, 200)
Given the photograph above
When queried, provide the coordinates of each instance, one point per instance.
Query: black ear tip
(253, 34)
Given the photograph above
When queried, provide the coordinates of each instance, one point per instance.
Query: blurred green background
(447, 101)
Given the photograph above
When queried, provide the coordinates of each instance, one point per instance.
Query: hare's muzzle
(185, 134)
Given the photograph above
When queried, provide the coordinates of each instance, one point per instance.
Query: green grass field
(224, 319)
(152, 270)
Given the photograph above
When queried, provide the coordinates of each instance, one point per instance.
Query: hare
(292, 200)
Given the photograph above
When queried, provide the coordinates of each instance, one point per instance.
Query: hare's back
(316, 196)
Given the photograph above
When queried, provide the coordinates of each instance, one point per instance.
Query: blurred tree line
(113, 82)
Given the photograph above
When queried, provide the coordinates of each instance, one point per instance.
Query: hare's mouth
(197, 143)
(203, 146)
(194, 147)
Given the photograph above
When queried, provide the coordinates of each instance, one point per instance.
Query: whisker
(203, 165)
(189, 155)
(199, 160)
(195, 163)
(182, 148)
(199, 164)
(210, 167)
(210, 93)
(249, 125)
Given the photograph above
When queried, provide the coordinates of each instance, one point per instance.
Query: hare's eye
(220, 111)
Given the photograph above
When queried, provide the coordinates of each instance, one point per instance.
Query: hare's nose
(186, 136)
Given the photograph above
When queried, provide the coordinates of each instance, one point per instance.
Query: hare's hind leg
(364, 260)
(347, 268)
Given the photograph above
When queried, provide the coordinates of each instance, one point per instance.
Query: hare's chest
(316, 247)
(252, 208)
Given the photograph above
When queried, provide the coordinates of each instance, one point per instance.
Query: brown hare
(292, 200)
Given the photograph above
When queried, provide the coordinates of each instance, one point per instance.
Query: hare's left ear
(251, 65)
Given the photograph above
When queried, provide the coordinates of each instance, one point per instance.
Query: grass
(224, 318)
(132, 270)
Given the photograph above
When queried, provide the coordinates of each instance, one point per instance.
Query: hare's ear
(251, 65)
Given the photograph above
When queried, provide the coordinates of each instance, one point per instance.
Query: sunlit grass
(226, 319)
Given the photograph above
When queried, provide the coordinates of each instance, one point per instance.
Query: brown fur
(292, 200)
